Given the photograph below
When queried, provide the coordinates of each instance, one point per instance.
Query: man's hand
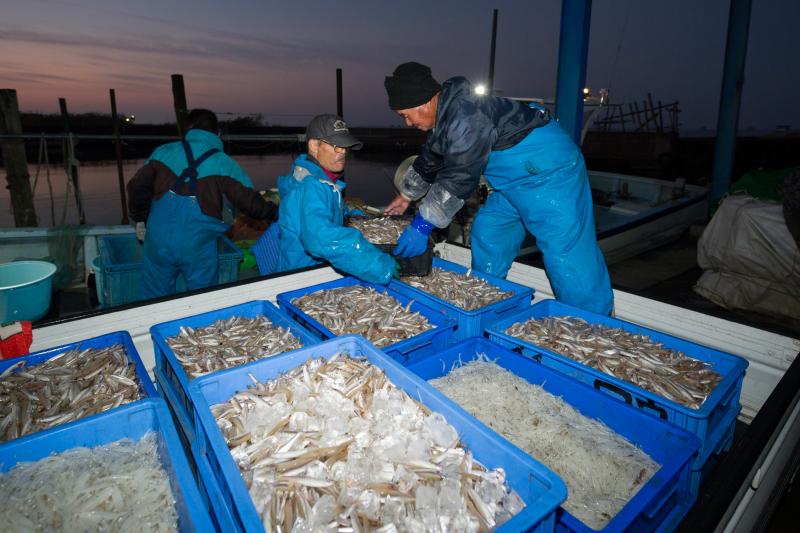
(398, 206)
(414, 240)
(141, 230)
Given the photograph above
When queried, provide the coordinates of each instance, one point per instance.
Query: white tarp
(750, 259)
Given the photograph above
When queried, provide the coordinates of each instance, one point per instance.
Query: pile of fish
(462, 290)
(602, 470)
(380, 230)
(118, 487)
(362, 310)
(64, 388)
(333, 444)
(229, 343)
(631, 357)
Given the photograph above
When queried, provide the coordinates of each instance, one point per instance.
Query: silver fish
(380, 230)
(462, 290)
(376, 316)
(67, 387)
(631, 357)
(229, 343)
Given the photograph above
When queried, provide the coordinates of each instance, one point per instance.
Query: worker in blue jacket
(535, 170)
(181, 192)
(312, 210)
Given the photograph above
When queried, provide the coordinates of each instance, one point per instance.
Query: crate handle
(614, 389)
(650, 404)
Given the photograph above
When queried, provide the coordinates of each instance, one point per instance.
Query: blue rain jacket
(181, 239)
(540, 185)
(311, 219)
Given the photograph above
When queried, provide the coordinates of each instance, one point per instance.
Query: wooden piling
(179, 98)
(118, 151)
(339, 110)
(69, 161)
(19, 183)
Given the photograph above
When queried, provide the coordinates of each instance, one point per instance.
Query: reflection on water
(369, 180)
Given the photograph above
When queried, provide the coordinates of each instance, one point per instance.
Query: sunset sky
(279, 58)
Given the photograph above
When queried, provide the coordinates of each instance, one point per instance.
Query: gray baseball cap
(332, 129)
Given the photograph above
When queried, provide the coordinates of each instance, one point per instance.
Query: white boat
(633, 214)
(769, 396)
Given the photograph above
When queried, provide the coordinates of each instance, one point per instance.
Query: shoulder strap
(189, 174)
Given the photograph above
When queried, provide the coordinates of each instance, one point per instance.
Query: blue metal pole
(730, 97)
(573, 49)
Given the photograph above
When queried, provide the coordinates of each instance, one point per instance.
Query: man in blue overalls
(312, 209)
(181, 192)
(536, 172)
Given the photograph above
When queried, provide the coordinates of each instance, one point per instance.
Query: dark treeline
(665, 156)
(377, 140)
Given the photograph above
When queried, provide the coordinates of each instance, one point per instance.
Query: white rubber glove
(140, 231)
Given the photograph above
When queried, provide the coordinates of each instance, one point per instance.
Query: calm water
(369, 180)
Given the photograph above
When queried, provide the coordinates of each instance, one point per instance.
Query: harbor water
(368, 179)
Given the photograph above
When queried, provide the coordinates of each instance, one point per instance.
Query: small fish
(378, 317)
(632, 357)
(67, 387)
(380, 230)
(229, 343)
(462, 290)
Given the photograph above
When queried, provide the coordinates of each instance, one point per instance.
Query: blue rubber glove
(414, 240)
(355, 213)
(396, 270)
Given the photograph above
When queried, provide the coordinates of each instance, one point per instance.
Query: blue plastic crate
(118, 272)
(471, 323)
(699, 475)
(540, 489)
(198, 464)
(711, 422)
(662, 502)
(176, 381)
(430, 341)
(267, 250)
(129, 421)
(146, 386)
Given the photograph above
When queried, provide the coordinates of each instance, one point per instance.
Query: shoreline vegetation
(665, 155)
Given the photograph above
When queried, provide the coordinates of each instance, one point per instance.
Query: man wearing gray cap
(312, 209)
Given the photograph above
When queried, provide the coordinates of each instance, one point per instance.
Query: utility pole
(19, 183)
(490, 88)
(339, 110)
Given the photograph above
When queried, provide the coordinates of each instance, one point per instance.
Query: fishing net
(65, 250)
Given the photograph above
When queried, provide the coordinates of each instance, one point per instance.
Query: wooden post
(179, 98)
(69, 162)
(118, 151)
(19, 183)
(339, 110)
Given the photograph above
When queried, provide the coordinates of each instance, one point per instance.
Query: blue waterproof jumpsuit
(311, 219)
(181, 237)
(539, 183)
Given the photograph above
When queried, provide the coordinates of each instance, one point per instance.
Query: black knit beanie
(410, 85)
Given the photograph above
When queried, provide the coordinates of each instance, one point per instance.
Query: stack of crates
(430, 341)
(713, 422)
(131, 421)
(174, 384)
(539, 488)
(661, 503)
(118, 268)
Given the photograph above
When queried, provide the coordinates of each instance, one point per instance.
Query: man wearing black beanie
(537, 174)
